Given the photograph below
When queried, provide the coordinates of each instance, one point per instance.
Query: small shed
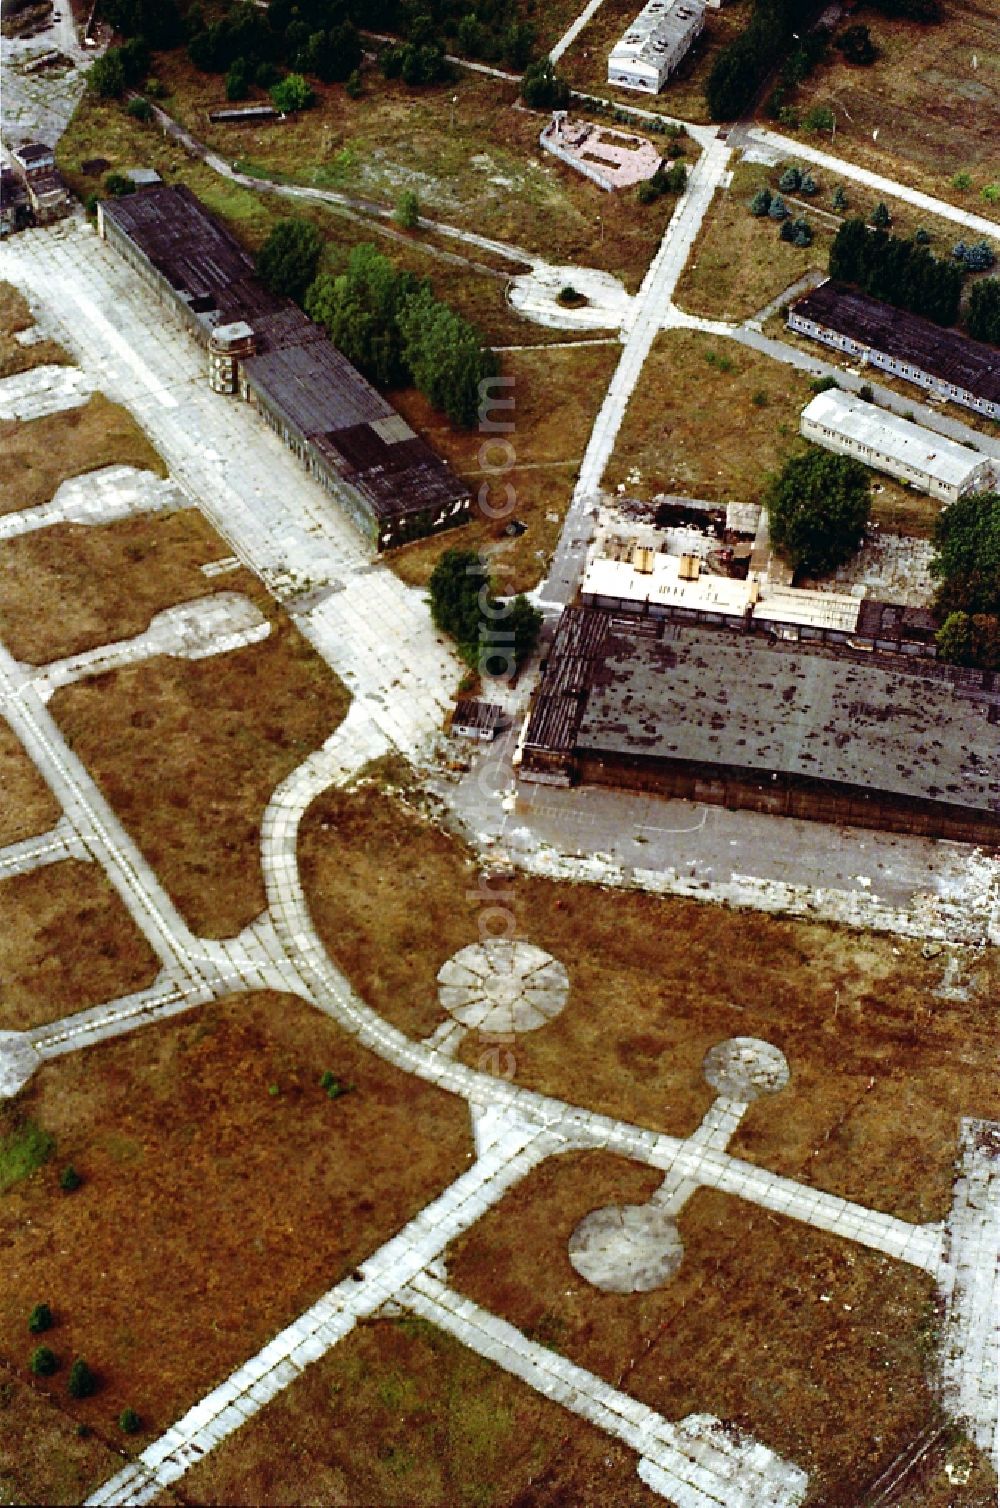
(481, 721)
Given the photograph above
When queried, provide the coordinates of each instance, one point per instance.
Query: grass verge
(15, 316)
(28, 807)
(37, 455)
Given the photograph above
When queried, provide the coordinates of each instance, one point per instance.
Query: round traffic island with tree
(818, 507)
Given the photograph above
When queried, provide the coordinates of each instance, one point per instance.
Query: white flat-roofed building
(886, 442)
(649, 582)
(659, 37)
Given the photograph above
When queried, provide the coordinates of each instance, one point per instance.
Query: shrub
(407, 211)
(69, 1179)
(808, 186)
(790, 180)
(991, 193)
(819, 118)
(40, 1319)
(866, 392)
(129, 1422)
(90, 205)
(156, 89)
(801, 233)
(106, 78)
(778, 209)
(542, 88)
(788, 116)
(760, 399)
(961, 181)
(840, 199)
(288, 259)
(82, 1382)
(139, 108)
(760, 203)
(354, 87)
(921, 236)
(292, 93)
(238, 80)
(857, 46)
(44, 1361)
(823, 384)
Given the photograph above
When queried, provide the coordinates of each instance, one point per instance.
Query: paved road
(643, 323)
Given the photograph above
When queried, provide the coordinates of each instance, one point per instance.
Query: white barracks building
(655, 43)
(902, 449)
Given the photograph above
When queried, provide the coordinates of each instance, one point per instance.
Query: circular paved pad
(630, 1248)
(743, 1068)
(501, 987)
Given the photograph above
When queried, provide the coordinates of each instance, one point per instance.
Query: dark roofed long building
(385, 477)
(945, 362)
(729, 718)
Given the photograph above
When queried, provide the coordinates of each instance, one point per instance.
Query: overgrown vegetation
(896, 270)
(23, 1151)
(967, 566)
(818, 508)
(492, 637)
(741, 68)
(390, 325)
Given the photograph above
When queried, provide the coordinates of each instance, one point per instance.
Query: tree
(880, 216)
(117, 185)
(525, 622)
(407, 211)
(40, 1319)
(819, 118)
(517, 44)
(760, 203)
(292, 93)
(288, 259)
(921, 236)
(44, 1361)
(840, 199)
(334, 54)
(966, 561)
(778, 209)
(978, 257)
(129, 1422)
(808, 186)
(140, 109)
(354, 88)
(790, 179)
(238, 80)
(857, 46)
(983, 314)
(970, 639)
(818, 510)
(491, 636)
(82, 1381)
(106, 78)
(445, 355)
(360, 309)
(542, 88)
(69, 1178)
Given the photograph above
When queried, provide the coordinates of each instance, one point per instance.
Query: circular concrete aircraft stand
(501, 987)
(743, 1068)
(630, 1248)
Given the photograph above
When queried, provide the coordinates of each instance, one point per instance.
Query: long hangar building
(388, 481)
(734, 719)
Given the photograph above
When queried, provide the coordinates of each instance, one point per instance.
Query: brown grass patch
(738, 264)
(557, 395)
(402, 1413)
(101, 583)
(188, 752)
(37, 455)
(936, 115)
(28, 806)
(15, 315)
(741, 1331)
(253, 1202)
(66, 942)
(42, 1457)
(881, 1068)
(709, 419)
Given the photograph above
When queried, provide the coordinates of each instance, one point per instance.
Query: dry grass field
(937, 112)
(28, 806)
(882, 1067)
(401, 1413)
(819, 1347)
(66, 942)
(585, 63)
(37, 455)
(557, 395)
(15, 316)
(710, 420)
(210, 1155)
(101, 583)
(188, 753)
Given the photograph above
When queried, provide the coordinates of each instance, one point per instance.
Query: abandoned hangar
(736, 719)
(387, 480)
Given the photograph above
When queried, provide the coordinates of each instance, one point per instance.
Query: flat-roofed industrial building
(660, 36)
(944, 362)
(886, 442)
(386, 479)
(741, 721)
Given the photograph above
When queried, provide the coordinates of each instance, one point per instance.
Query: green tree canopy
(360, 312)
(492, 636)
(983, 314)
(292, 93)
(288, 259)
(817, 509)
(967, 556)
